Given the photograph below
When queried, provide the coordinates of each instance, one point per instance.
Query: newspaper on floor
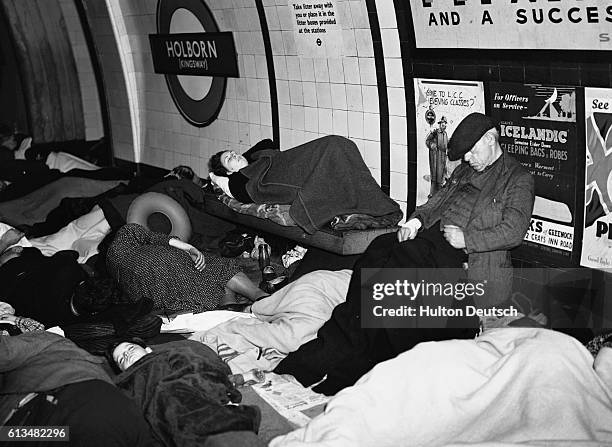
(290, 398)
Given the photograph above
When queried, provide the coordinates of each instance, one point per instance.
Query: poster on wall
(318, 32)
(538, 127)
(512, 24)
(440, 106)
(597, 235)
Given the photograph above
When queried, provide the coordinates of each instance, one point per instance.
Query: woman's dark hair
(215, 166)
(109, 351)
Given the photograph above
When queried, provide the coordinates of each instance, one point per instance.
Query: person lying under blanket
(184, 390)
(174, 274)
(46, 380)
(57, 291)
(281, 323)
(509, 386)
(330, 167)
(25, 168)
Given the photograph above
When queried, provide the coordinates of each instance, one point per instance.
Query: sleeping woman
(320, 179)
(174, 274)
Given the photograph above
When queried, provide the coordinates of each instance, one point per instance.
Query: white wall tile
(286, 17)
(324, 98)
(338, 94)
(349, 44)
(272, 18)
(276, 43)
(371, 126)
(398, 130)
(354, 100)
(359, 14)
(394, 72)
(252, 89)
(263, 88)
(367, 71)
(261, 67)
(289, 43)
(307, 69)
(370, 98)
(293, 68)
(325, 121)
(310, 94)
(365, 47)
(390, 43)
(398, 186)
(280, 67)
(399, 158)
(340, 120)
(284, 115)
(254, 112)
(297, 117)
(282, 91)
(371, 154)
(311, 119)
(351, 70)
(321, 70)
(397, 101)
(296, 94)
(336, 70)
(355, 124)
(265, 114)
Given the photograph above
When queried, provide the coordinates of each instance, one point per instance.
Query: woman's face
(126, 354)
(233, 161)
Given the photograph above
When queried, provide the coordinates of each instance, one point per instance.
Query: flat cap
(467, 134)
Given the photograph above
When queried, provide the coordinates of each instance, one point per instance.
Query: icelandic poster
(440, 107)
(538, 127)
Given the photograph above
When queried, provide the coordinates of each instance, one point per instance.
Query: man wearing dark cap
(482, 211)
(437, 143)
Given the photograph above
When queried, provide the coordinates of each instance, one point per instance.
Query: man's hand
(409, 230)
(454, 236)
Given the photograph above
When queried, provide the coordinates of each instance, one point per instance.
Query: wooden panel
(72, 122)
(48, 69)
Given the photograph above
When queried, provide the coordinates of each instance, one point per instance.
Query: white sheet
(285, 320)
(64, 162)
(512, 386)
(83, 235)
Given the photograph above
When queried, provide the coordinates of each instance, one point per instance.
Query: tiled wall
(315, 96)
(87, 81)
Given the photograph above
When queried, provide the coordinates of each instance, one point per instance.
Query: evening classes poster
(440, 107)
(538, 127)
(597, 235)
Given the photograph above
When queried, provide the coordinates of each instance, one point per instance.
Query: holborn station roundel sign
(194, 57)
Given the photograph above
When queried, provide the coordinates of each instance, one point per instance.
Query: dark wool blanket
(319, 179)
(184, 391)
